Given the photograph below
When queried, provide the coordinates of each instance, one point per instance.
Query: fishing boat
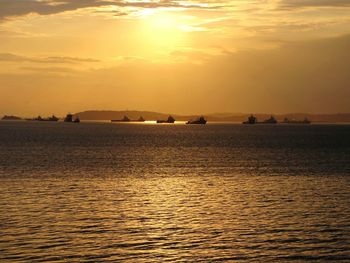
(125, 119)
(200, 120)
(270, 120)
(141, 119)
(169, 120)
(68, 118)
(253, 120)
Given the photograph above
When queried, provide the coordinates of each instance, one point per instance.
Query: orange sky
(186, 57)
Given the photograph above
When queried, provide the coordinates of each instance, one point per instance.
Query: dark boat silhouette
(200, 120)
(288, 121)
(270, 120)
(52, 118)
(253, 120)
(125, 119)
(39, 118)
(141, 119)
(68, 118)
(169, 120)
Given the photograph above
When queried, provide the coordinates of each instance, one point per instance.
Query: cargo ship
(126, 119)
(200, 120)
(253, 120)
(169, 120)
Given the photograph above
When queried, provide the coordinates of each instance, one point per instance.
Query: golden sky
(174, 56)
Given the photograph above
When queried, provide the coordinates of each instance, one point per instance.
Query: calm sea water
(99, 192)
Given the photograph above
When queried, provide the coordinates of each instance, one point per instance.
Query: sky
(184, 57)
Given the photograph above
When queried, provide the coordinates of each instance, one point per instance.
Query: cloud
(314, 3)
(8, 57)
(48, 70)
(10, 8)
(309, 76)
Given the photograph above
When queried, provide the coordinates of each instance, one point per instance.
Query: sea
(109, 192)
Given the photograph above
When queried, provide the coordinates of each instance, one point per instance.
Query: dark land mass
(11, 118)
(214, 117)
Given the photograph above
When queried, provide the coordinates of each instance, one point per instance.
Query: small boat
(141, 119)
(200, 120)
(251, 120)
(39, 118)
(271, 120)
(77, 120)
(52, 118)
(68, 118)
(169, 120)
(125, 119)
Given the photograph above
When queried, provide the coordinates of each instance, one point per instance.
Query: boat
(141, 119)
(270, 120)
(200, 120)
(69, 118)
(288, 121)
(52, 118)
(77, 120)
(125, 119)
(39, 118)
(169, 120)
(251, 120)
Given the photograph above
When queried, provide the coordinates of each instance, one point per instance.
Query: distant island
(106, 115)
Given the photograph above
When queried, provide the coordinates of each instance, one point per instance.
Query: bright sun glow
(163, 30)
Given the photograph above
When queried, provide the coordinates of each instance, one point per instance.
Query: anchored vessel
(39, 118)
(69, 118)
(126, 119)
(253, 120)
(141, 119)
(169, 120)
(200, 120)
(271, 120)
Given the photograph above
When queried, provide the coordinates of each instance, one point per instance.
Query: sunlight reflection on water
(147, 193)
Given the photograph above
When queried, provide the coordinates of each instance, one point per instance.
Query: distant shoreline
(153, 122)
(106, 116)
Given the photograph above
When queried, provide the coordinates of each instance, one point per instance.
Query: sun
(163, 30)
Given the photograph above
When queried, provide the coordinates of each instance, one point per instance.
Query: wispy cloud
(8, 57)
(52, 70)
(314, 3)
(10, 8)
